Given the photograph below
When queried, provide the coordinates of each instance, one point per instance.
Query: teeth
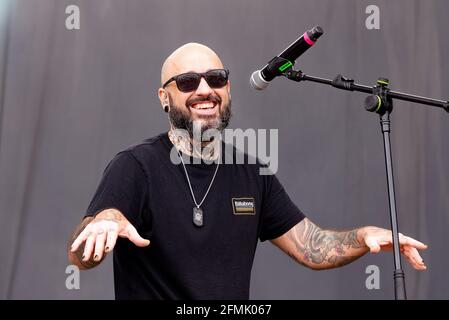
(203, 105)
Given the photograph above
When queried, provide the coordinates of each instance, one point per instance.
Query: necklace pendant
(198, 217)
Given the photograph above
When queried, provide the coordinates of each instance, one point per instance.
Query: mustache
(211, 98)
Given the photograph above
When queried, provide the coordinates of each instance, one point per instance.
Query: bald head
(190, 57)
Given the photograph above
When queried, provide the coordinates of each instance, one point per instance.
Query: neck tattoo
(205, 150)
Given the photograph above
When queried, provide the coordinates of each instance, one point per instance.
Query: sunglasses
(190, 81)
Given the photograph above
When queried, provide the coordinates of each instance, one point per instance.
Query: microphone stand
(381, 102)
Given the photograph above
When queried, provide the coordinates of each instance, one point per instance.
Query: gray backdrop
(71, 99)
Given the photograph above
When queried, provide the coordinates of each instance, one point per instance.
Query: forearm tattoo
(324, 248)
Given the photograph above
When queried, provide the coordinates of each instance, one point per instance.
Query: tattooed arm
(320, 249)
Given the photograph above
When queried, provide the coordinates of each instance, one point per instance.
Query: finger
(99, 244)
(413, 252)
(404, 240)
(111, 239)
(410, 260)
(372, 244)
(414, 258)
(415, 264)
(135, 237)
(89, 246)
(81, 238)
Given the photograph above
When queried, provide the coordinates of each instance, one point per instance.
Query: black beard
(182, 120)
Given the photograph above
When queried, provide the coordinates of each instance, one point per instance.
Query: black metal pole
(399, 277)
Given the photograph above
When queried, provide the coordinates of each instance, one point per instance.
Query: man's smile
(204, 107)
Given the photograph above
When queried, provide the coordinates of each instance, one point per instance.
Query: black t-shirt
(184, 261)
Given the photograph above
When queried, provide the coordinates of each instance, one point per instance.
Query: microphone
(260, 78)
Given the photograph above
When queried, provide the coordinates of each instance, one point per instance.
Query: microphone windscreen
(257, 82)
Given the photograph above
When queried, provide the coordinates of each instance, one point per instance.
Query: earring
(166, 108)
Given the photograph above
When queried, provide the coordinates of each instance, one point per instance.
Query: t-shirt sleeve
(123, 186)
(279, 213)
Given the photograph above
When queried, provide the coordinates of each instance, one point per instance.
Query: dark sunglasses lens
(188, 82)
(216, 78)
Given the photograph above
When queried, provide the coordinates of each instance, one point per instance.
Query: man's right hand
(100, 235)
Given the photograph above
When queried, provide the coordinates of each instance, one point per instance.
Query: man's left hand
(377, 239)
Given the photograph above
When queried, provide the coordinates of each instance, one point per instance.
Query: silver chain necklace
(198, 218)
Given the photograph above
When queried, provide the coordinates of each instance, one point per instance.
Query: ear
(163, 97)
(228, 87)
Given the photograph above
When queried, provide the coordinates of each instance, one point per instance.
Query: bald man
(190, 231)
